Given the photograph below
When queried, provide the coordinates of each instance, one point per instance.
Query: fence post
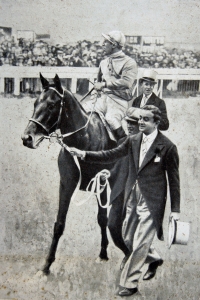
(2, 81)
(16, 86)
(74, 85)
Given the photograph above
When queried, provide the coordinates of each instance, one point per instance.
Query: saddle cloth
(105, 123)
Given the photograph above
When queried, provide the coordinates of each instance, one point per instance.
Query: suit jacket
(151, 175)
(156, 101)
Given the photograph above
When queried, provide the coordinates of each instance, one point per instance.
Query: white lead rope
(79, 168)
(97, 188)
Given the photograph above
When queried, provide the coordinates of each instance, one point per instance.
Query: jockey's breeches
(113, 108)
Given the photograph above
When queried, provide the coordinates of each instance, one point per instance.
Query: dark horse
(58, 108)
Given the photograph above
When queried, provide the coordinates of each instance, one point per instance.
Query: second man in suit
(147, 83)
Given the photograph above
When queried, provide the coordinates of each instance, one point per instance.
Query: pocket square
(157, 159)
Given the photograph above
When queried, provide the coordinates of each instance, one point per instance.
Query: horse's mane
(70, 94)
(75, 99)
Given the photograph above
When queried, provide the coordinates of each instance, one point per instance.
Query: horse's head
(46, 115)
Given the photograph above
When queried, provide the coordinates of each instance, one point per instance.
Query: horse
(57, 108)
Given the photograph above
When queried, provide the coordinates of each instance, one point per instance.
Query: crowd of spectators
(41, 53)
(88, 54)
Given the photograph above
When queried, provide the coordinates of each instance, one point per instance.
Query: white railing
(17, 73)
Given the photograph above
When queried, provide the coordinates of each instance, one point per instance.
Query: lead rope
(97, 188)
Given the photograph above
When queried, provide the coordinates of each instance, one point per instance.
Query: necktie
(144, 101)
(143, 149)
(110, 65)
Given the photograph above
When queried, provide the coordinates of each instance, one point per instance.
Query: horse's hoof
(46, 271)
(40, 275)
(100, 260)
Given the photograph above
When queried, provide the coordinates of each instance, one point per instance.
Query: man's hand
(77, 152)
(99, 86)
(175, 215)
(105, 174)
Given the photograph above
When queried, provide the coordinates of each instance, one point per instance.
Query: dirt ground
(28, 206)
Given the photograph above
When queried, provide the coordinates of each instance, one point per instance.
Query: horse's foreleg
(115, 221)
(102, 221)
(68, 182)
(59, 226)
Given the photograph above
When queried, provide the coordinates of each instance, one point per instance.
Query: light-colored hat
(178, 232)
(114, 37)
(149, 75)
(133, 114)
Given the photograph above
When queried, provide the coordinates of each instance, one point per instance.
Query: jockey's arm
(125, 81)
(127, 77)
(100, 84)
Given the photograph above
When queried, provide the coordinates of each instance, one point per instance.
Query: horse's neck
(73, 116)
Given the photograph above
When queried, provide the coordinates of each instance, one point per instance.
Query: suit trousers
(138, 233)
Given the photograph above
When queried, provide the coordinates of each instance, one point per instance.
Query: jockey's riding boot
(119, 133)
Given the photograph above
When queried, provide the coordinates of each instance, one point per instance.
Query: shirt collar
(119, 53)
(147, 97)
(151, 137)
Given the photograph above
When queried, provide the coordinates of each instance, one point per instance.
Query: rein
(96, 180)
(59, 117)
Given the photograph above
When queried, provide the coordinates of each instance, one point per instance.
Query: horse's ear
(45, 83)
(57, 82)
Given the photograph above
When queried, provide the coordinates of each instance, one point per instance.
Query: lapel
(157, 144)
(136, 140)
(138, 101)
(151, 100)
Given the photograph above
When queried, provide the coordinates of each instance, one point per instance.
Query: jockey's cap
(115, 36)
(133, 114)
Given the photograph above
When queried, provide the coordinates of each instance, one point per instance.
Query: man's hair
(155, 111)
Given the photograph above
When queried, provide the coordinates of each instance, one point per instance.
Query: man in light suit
(147, 83)
(151, 157)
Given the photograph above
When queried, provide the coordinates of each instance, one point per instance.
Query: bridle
(59, 140)
(59, 118)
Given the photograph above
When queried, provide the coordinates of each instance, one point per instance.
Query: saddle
(106, 125)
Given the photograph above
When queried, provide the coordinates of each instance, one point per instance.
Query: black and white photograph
(100, 167)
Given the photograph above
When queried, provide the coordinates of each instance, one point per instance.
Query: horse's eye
(50, 106)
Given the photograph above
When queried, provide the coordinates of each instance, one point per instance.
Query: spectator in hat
(60, 60)
(147, 83)
(77, 61)
(115, 82)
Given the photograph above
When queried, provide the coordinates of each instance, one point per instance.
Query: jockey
(115, 82)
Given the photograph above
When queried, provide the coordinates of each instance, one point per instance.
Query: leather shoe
(127, 292)
(124, 260)
(151, 272)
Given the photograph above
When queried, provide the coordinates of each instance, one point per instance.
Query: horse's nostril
(27, 138)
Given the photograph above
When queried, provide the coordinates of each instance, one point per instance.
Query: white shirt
(144, 100)
(147, 141)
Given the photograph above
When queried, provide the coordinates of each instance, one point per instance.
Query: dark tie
(110, 65)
